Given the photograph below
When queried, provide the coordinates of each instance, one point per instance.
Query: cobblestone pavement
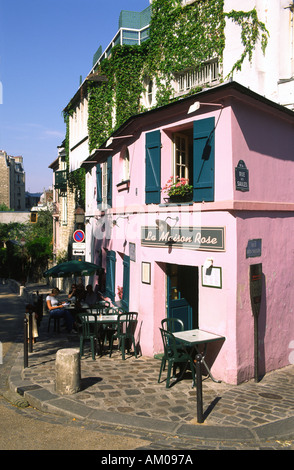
(125, 397)
(127, 394)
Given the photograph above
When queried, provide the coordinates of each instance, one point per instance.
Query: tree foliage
(26, 248)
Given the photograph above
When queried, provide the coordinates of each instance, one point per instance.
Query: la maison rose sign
(191, 238)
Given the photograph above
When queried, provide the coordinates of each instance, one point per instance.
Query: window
(193, 158)
(104, 184)
(183, 155)
(126, 166)
(149, 94)
(63, 220)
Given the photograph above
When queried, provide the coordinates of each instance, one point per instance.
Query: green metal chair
(110, 329)
(100, 308)
(126, 326)
(89, 331)
(173, 356)
(102, 304)
(172, 324)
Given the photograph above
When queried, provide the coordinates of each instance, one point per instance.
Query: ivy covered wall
(181, 38)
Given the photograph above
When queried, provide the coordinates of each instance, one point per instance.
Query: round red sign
(79, 236)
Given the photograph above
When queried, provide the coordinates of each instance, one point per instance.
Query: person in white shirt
(56, 309)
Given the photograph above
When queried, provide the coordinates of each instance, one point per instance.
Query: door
(182, 294)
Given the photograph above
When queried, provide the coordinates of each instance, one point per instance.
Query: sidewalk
(127, 394)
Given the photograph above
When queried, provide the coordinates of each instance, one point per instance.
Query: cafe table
(195, 339)
(102, 319)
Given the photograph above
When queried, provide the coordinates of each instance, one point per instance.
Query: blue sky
(45, 45)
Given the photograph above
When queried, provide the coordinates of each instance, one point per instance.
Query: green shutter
(99, 184)
(153, 164)
(203, 160)
(126, 283)
(109, 181)
(110, 274)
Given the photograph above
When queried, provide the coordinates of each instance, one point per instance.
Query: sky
(45, 46)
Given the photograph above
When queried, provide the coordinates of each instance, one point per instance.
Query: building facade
(63, 209)
(12, 188)
(192, 259)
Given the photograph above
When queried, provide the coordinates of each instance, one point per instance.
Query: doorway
(182, 294)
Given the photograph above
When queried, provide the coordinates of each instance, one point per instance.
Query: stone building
(12, 182)
(63, 208)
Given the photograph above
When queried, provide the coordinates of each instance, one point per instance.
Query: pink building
(192, 259)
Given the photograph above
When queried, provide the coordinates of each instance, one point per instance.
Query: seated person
(72, 296)
(58, 310)
(91, 297)
(80, 291)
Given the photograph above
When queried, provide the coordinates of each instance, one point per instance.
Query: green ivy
(75, 179)
(181, 37)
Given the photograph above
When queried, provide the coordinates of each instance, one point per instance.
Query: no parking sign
(79, 245)
(79, 236)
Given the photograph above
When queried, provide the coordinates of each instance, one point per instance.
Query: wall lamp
(114, 222)
(195, 106)
(96, 217)
(163, 225)
(79, 215)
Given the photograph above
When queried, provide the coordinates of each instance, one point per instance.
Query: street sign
(79, 246)
(79, 236)
(80, 252)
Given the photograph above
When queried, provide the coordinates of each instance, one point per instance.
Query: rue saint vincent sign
(191, 238)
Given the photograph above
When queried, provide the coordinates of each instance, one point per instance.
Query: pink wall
(276, 319)
(262, 137)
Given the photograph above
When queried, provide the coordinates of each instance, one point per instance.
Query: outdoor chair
(172, 324)
(110, 329)
(126, 326)
(174, 356)
(102, 304)
(97, 309)
(56, 323)
(89, 331)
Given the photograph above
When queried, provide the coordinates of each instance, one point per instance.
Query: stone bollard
(68, 371)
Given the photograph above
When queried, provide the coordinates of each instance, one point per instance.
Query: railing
(203, 75)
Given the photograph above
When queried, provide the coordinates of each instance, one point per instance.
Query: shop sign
(191, 238)
(242, 177)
